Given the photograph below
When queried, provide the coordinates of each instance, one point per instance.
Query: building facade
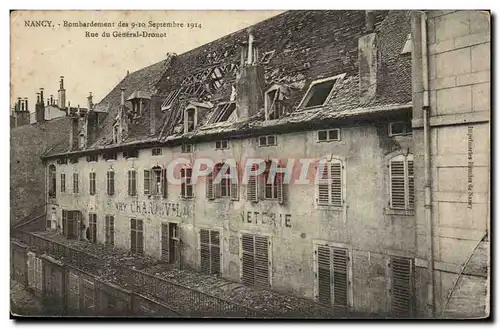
(323, 99)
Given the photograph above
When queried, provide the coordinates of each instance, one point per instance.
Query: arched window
(402, 187)
(190, 119)
(52, 181)
(330, 181)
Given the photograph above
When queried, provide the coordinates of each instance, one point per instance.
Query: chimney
(368, 57)
(73, 132)
(18, 107)
(26, 104)
(40, 107)
(41, 97)
(51, 99)
(61, 101)
(89, 101)
(250, 81)
(122, 99)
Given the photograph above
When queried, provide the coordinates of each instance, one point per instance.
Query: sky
(40, 55)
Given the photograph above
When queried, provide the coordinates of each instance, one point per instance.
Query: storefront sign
(263, 218)
(154, 208)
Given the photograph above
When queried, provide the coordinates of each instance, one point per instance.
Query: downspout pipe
(427, 167)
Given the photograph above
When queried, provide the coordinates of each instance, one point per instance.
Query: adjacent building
(334, 100)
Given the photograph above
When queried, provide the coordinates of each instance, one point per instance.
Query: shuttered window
(402, 286)
(110, 187)
(74, 292)
(136, 236)
(132, 184)
(93, 228)
(402, 187)
(330, 175)
(210, 251)
(221, 184)
(255, 260)
(170, 242)
(110, 230)
(252, 185)
(92, 183)
(63, 182)
(147, 182)
(186, 183)
(75, 182)
(332, 277)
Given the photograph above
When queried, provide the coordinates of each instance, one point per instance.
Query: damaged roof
(295, 49)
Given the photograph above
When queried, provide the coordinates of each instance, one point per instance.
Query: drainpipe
(427, 168)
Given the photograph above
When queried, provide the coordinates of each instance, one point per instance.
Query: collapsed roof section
(288, 61)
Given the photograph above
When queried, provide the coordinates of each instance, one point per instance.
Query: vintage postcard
(294, 164)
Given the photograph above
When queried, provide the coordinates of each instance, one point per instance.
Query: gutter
(248, 132)
(427, 167)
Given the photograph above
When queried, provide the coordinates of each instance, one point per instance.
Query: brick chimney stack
(61, 101)
(368, 58)
(90, 104)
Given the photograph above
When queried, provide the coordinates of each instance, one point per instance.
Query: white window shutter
(252, 194)
(397, 177)
(323, 185)
(336, 183)
(279, 187)
(209, 187)
(235, 186)
(411, 186)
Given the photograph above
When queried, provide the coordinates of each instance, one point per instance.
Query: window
(147, 183)
(133, 153)
(170, 243)
(210, 251)
(190, 119)
(52, 181)
(92, 183)
(132, 184)
(330, 183)
(75, 182)
(110, 187)
(116, 132)
(62, 161)
(63, 182)
(186, 183)
(222, 112)
(267, 140)
(156, 151)
(136, 236)
(255, 260)
(73, 160)
(332, 277)
(110, 230)
(265, 186)
(187, 148)
(158, 181)
(82, 141)
(92, 158)
(93, 228)
(273, 103)
(329, 135)
(221, 184)
(108, 156)
(402, 286)
(220, 145)
(319, 92)
(402, 186)
(400, 128)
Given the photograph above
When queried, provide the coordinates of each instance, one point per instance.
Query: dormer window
(116, 131)
(216, 78)
(189, 119)
(273, 102)
(319, 92)
(222, 112)
(82, 141)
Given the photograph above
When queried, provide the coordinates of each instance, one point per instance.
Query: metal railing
(181, 299)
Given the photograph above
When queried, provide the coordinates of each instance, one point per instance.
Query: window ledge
(399, 212)
(329, 208)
